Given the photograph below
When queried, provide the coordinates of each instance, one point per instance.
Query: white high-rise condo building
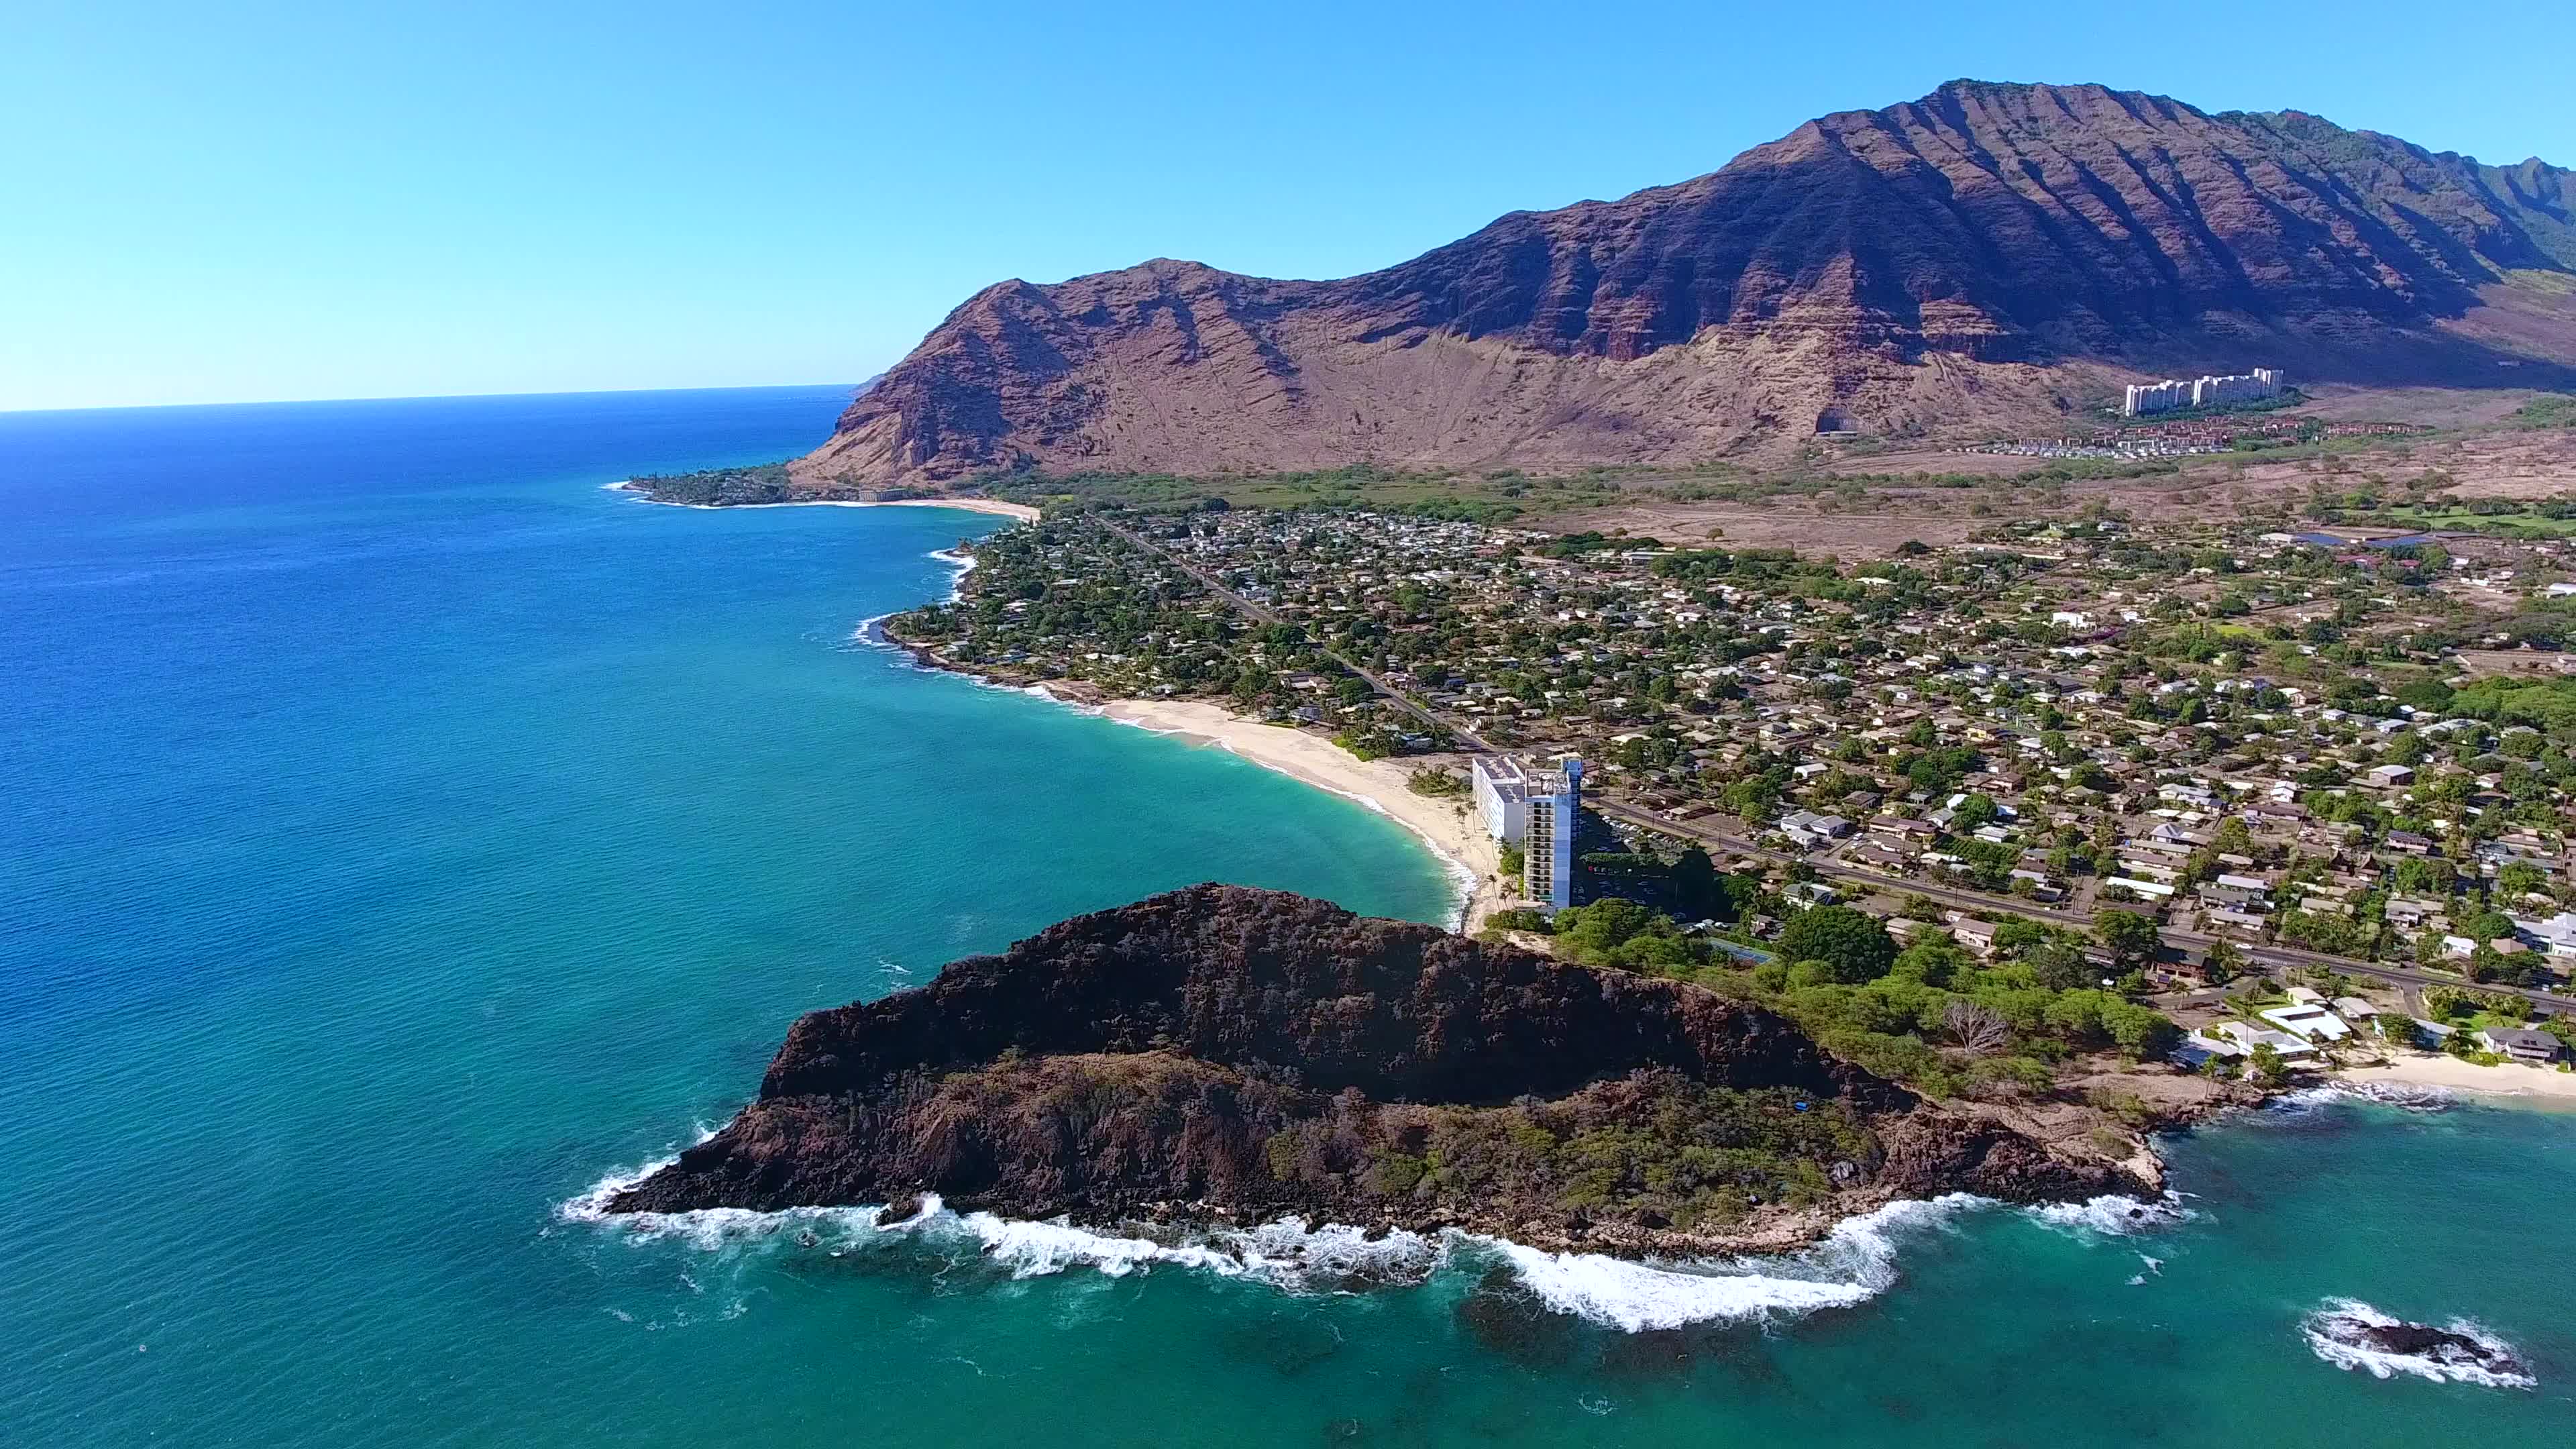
(1537, 810)
(2204, 392)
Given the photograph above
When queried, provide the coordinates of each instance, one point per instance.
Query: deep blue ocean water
(399, 835)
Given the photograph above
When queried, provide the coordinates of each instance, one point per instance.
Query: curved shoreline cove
(403, 831)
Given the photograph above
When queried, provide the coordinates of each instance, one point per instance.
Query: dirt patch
(2440, 407)
(1896, 507)
(2481, 663)
(1780, 523)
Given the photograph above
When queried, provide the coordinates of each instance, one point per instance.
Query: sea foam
(2113, 1216)
(1851, 1264)
(1287, 1253)
(2439, 1365)
(2409, 1096)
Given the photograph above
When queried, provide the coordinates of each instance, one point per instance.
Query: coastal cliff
(1223, 1052)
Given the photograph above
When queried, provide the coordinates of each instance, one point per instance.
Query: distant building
(1809, 829)
(2203, 392)
(1547, 846)
(2313, 1022)
(2538, 1048)
(2555, 934)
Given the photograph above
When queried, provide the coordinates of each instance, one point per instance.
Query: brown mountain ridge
(1990, 255)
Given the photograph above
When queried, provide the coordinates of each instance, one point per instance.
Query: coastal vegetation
(1457, 495)
(1653, 1147)
(1931, 1014)
(1438, 784)
(2555, 411)
(755, 483)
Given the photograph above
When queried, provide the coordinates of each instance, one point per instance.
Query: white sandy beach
(2428, 1069)
(1448, 823)
(1021, 511)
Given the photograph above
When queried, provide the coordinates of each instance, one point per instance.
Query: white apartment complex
(2202, 392)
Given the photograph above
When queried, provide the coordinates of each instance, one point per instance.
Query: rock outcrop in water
(2353, 1335)
(1221, 1051)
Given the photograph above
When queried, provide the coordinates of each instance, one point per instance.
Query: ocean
(405, 836)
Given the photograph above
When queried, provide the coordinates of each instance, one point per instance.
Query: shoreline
(2512, 1084)
(1021, 512)
(1828, 1262)
(1446, 824)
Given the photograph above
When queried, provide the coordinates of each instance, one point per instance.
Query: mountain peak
(1980, 258)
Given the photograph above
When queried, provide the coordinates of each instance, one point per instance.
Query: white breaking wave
(1617, 1293)
(1287, 1253)
(1040, 691)
(1854, 1263)
(2114, 1216)
(2440, 1365)
(964, 563)
(2407, 1095)
(870, 631)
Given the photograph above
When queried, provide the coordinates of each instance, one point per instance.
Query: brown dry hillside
(1989, 255)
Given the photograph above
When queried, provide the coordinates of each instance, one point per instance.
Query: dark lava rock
(2422, 1340)
(1237, 1054)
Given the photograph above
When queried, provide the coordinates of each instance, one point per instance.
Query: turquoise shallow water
(402, 834)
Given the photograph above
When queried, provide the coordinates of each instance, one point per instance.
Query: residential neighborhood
(2345, 744)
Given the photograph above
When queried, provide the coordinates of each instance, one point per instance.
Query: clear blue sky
(249, 201)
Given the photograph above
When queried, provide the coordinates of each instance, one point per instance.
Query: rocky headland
(1224, 1054)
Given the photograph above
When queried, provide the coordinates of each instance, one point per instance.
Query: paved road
(2395, 975)
(2076, 919)
(1833, 869)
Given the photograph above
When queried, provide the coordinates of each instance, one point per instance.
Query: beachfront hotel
(1535, 809)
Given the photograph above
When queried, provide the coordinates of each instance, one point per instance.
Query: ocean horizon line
(359, 399)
